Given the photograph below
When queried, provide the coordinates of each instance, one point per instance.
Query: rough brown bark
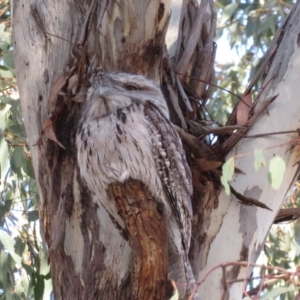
(146, 231)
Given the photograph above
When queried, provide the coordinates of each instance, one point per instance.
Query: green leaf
(6, 74)
(4, 68)
(19, 290)
(3, 268)
(20, 246)
(251, 27)
(4, 160)
(276, 172)
(227, 173)
(273, 294)
(5, 208)
(16, 160)
(9, 101)
(39, 287)
(2, 119)
(25, 281)
(48, 286)
(8, 58)
(27, 167)
(228, 12)
(4, 46)
(4, 34)
(29, 270)
(259, 159)
(44, 265)
(9, 243)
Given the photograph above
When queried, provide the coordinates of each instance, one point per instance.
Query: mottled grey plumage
(125, 133)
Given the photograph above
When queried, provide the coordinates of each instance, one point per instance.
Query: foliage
(227, 174)
(24, 268)
(248, 27)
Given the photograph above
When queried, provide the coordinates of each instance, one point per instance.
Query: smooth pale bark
(237, 232)
(86, 262)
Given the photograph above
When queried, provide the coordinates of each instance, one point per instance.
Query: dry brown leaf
(287, 215)
(248, 200)
(49, 133)
(207, 165)
(57, 86)
(243, 109)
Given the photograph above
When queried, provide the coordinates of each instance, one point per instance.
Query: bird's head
(112, 91)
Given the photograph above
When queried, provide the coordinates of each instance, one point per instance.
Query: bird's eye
(130, 87)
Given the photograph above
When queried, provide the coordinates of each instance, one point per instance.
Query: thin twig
(242, 264)
(183, 95)
(212, 84)
(233, 139)
(266, 134)
(174, 101)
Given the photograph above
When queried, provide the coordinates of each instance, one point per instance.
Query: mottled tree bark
(56, 44)
(89, 257)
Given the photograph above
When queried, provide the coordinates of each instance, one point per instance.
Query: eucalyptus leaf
(10, 101)
(227, 174)
(45, 268)
(29, 270)
(4, 68)
(27, 167)
(272, 294)
(16, 160)
(6, 73)
(3, 270)
(276, 173)
(228, 12)
(20, 246)
(5, 208)
(39, 287)
(8, 59)
(9, 243)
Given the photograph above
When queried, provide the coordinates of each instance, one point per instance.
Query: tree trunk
(241, 230)
(56, 44)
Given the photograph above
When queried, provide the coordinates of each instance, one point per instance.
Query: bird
(124, 132)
